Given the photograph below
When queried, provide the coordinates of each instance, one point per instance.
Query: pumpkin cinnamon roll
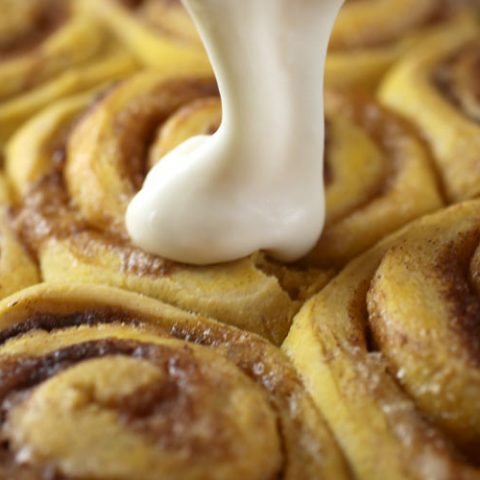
(49, 49)
(370, 35)
(436, 87)
(100, 383)
(75, 167)
(390, 351)
(159, 32)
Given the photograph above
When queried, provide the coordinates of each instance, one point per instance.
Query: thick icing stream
(257, 183)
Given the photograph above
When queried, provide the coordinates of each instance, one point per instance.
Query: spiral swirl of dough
(390, 351)
(101, 383)
(436, 87)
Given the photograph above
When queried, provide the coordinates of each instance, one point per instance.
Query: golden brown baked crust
(436, 88)
(371, 35)
(49, 49)
(389, 351)
(100, 383)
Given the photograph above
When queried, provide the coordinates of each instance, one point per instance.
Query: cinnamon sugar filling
(48, 212)
(45, 19)
(162, 412)
(457, 79)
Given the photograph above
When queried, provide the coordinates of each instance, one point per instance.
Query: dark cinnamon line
(49, 18)
(49, 322)
(131, 4)
(328, 174)
(443, 82)
(357, 107)
(357, 308)
(162, 102)
(461, 296)
(20, 373)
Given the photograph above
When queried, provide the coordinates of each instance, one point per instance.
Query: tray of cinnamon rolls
(239, 240)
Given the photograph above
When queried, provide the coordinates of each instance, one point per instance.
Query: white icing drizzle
(257, 183)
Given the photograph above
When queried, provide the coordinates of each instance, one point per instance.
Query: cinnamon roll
(389, 350)
(370, 35)
(436, 87)
(75, 167)
(159, 32)
(49, 49)
(100, 383)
